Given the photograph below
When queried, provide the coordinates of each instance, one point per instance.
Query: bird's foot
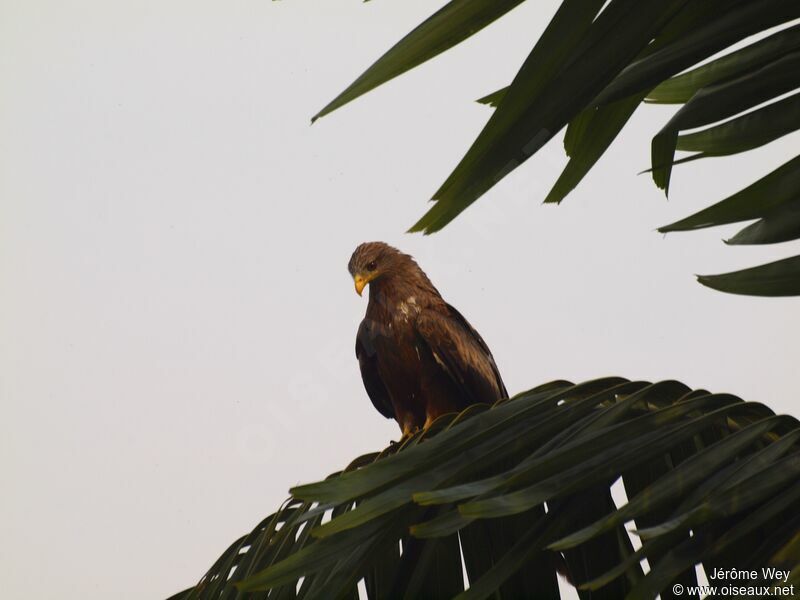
(408, 432)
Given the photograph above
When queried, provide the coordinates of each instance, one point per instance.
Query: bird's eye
(372, 265)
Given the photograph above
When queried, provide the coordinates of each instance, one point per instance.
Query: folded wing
(463, 355)
(367, 361)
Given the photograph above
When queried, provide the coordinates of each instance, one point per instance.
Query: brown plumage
(419, 357)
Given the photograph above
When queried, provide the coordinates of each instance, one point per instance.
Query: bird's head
(374, 260)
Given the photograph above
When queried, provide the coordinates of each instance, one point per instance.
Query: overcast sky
(177, 324)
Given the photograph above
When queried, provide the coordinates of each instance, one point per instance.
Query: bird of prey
(419, 357)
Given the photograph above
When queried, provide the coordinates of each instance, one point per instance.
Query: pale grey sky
(177, 324)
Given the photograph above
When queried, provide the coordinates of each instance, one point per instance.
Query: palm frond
(595, 63)
(512, 494)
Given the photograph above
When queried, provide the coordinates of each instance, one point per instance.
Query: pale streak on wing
(463, 354)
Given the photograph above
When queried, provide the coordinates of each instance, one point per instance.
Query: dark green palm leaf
(756, 201)
(742, 19)
(720, 101)
(451, 25)
(533, 111)
(779, 225)
(749, 131)
(681, 88)
(590, 70)
(779, 278)
(710, 463)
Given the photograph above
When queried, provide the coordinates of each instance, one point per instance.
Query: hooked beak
(361, 282)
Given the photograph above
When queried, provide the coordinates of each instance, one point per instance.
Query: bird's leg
(434, 411)
(408, 427)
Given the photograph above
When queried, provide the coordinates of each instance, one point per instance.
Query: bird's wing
(463, 354)
(460, 318)
(376, 390)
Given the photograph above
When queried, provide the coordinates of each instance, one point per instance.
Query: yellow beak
(361, 282)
